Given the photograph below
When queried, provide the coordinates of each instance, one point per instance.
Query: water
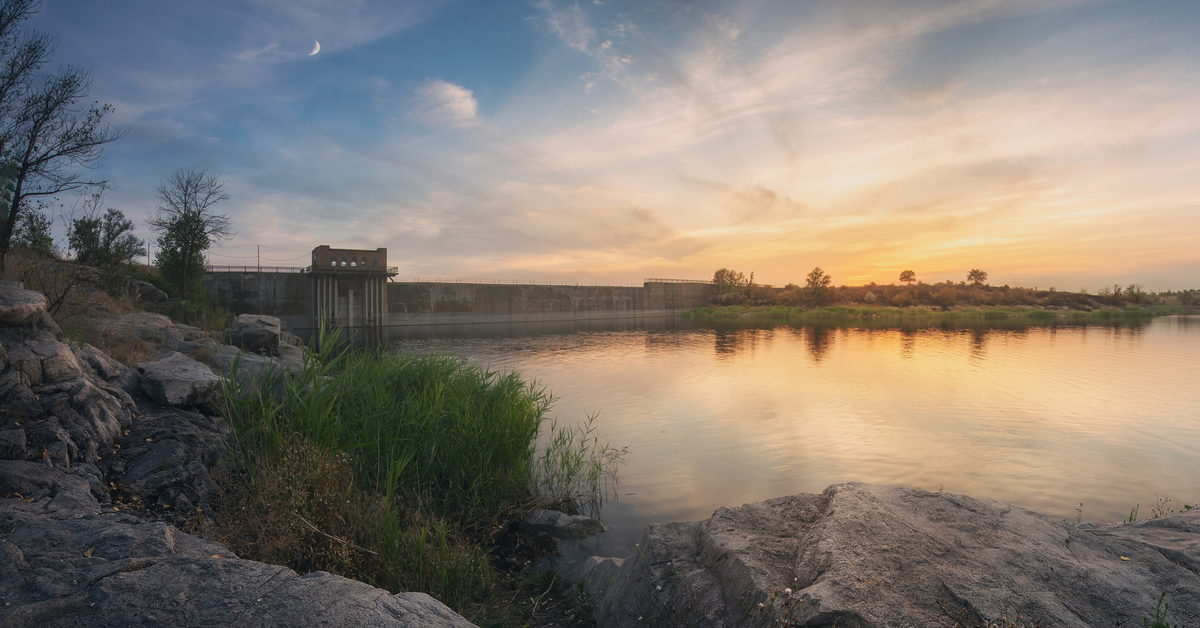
(1045, 417)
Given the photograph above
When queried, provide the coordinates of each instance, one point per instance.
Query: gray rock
(20, 307)
(560, 525)
(58, 362)
(875, 556)
(12, 443)
(108, 568)
(144, 291)
(105, 367)
(256, 333)
(177, 380)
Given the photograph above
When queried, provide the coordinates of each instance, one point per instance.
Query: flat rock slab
(883, 556)
(177, 380)
(113, 569)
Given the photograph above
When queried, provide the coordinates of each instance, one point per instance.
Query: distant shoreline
(868, 312)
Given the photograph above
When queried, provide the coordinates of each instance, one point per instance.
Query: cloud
(569, 24)
(443, 103)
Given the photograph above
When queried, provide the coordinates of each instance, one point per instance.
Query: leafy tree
(187, 223)
(45, 135)
(33, 233)
(105, 242)
(818, 283)
(729, 280)
(908, 277)
(977, 277)
(1134, 293)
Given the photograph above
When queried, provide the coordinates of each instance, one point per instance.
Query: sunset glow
(1049, 142)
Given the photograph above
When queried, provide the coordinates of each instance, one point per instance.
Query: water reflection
(1041, 415)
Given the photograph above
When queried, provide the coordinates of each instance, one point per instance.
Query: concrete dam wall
(348, 301)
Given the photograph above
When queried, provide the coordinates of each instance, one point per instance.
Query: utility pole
(259, 258)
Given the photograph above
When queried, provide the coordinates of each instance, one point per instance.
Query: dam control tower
(349, 286)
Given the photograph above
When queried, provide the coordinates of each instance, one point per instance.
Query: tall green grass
(440, 453)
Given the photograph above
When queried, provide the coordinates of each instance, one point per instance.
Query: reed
(394, 470)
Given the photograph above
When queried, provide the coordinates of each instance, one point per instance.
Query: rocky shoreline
(99, 466)
(103, 466)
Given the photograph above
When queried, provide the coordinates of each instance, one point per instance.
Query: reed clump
(397, 470)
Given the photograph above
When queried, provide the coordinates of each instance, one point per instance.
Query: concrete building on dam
(356, 288)
(349, 286)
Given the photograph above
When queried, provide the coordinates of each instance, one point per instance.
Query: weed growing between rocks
(1160, 614)
(397, 471)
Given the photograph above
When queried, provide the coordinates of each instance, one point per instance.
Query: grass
(201, 313)
(399, 471)
(1015, 313)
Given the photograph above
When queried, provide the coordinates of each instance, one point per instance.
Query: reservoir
(720, 413)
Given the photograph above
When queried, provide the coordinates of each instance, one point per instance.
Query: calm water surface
(1045, 417)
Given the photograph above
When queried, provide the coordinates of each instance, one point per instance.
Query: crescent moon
(316, 48)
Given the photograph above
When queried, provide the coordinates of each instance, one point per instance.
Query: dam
(367, 295)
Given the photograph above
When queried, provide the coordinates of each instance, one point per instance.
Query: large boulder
(256, 333)
(177, 380)
(20, 307)
(874, 556)
(79, 565)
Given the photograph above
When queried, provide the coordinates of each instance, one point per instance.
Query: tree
(33, 233)
(976, 277)
(729, 280)
(104, 242)
(45, 136)
(187, 222)
(908, 277)
(818, 283)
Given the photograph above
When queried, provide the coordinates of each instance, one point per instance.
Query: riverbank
(237, 445)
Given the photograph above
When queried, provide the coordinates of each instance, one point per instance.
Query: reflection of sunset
(1043, 417)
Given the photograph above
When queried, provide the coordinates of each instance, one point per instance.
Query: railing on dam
(677, 280)
(511, 282)
(255, 269)
(282, 269)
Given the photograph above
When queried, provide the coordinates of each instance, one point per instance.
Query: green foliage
(728, 281)
(187, 224)
(1160, 614)
(818, 282)
(384, 468)
(33, 234)
(105, 242)
(201, 313)
(180, 257)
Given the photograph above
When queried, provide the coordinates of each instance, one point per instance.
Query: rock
(874, 556)
(156, 329)
(58, 362)
(146, 293)
(560, 525)
(106, 568)
(177, 380)
(103, 366)
(20, 307)
(257, 333)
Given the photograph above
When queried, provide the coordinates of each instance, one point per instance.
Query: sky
(1051, 143)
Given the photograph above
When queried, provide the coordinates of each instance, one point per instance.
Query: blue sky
(1049, 142)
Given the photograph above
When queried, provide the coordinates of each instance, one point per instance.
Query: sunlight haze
(1048, 142)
